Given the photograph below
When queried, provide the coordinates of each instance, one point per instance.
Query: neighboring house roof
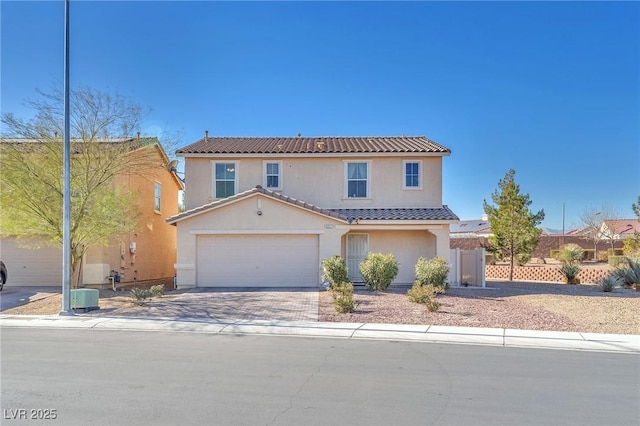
(622, 227)
(470, 226)
(313, 145)
(345, 215)
(131, 144)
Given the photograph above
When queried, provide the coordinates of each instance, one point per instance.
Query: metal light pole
(66, 204)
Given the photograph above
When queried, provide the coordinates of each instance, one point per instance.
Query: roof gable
(314, 145)
(345, 215)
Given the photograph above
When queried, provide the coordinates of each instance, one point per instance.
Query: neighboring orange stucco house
(148, 253)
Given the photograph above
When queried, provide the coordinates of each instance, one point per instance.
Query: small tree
(378, 270)
(514, 226)
(102, 147)
(591, 221)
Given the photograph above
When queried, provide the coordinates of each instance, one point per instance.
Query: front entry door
(357, 250)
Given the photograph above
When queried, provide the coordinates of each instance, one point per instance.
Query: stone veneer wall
(549, 273)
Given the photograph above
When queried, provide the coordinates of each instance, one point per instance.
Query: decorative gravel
(526, 306)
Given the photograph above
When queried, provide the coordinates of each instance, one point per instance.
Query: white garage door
(31, 267)
(257, 261)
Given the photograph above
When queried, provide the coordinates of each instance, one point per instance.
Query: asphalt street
(103, 377)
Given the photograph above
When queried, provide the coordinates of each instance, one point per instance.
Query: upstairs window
(157, 192)
(412, 175)
(357, 184)
(273, 175)
(225, 180)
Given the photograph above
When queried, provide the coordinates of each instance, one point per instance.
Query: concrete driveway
(279, 304)
(11, 297)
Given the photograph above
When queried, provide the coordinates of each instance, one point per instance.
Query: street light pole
(66, 204)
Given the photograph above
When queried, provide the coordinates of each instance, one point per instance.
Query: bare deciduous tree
(591, 221)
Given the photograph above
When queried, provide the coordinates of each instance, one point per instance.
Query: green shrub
(343, 297)
(139, 295)
(432, 271)
(378, 270)
(554, 254)
(608, 283)
(157, 290)
(571, 254)
(614, 261)
(570, 272)
(628, 272)
(334, 270)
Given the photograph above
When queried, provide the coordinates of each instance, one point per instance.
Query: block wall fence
(548, 273)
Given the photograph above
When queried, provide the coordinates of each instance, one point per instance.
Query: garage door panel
(257, 261)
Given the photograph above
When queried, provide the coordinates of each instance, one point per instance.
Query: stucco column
(442, 243)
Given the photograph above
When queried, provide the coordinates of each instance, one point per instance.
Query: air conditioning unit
(85, 298)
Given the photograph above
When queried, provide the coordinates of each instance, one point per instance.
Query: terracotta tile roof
(313, 145)
(345, 215)
(443, 213)
(623, 226)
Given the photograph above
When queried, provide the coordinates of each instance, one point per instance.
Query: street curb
(397, 332)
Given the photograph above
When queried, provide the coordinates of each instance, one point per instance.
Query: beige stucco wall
(321, 180)
(406, 246)
(155, 240)
(242, 217)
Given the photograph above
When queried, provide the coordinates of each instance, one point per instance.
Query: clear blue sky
(549, 89)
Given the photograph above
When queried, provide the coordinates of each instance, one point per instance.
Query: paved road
(104, 377)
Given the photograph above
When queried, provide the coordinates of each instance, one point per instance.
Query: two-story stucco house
(147, 253)
(265, 212)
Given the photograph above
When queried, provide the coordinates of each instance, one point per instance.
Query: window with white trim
(225, 175)
(412, 174)
(357, 179)
(157, 193)
(272, 175)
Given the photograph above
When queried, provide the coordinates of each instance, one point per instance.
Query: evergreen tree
(514, 226)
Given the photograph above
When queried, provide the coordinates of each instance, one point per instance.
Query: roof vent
(299, 135)
(206, 136)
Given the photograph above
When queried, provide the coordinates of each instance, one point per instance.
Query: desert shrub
(139, 295)
(628, 272)
(615, 252)
(615, 261)
(631, 246)
(490, 259)
(157, 290)
(432, 305)
(343, 297)
(420, 293)
(608, 283)
(588, 254)
(603, 256)
(571, 254)
(432, 271)
(554, 254)
(570, 272)
(334, 270)
(378, 270)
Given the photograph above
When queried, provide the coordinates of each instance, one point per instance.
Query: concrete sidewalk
(397, 332)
